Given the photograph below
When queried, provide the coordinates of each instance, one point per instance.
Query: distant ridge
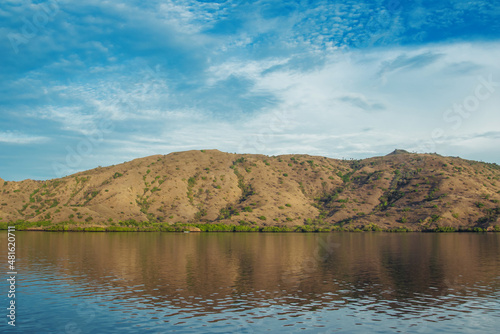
(400, 189)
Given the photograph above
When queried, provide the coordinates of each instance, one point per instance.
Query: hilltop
(402, 189)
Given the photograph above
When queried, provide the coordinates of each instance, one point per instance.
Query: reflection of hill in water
(212, 272)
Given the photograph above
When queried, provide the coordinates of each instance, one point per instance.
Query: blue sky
(102, 82)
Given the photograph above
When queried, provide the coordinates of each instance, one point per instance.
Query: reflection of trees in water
(221, 271)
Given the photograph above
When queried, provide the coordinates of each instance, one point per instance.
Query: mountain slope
(400, 189)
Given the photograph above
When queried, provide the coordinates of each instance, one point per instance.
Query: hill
(417, 191)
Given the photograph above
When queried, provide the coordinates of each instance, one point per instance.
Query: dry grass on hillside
(400, 189)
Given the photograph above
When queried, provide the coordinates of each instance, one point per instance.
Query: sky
(96, 83)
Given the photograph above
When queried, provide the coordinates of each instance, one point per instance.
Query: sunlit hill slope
(419, 191)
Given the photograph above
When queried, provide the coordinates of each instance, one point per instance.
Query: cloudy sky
(95, 83)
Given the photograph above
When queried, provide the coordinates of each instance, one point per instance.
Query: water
(255, 282)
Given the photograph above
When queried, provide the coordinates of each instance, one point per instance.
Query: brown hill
(402, 189)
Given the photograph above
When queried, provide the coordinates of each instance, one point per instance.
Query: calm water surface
(255, 282)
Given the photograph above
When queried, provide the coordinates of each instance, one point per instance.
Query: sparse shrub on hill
(227, 212)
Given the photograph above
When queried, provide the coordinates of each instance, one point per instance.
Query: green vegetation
(453, 229)
(247, 189)
(244, 226)
(200, 214)
(23, 225)
(226, 213)
(372, 227)
(399, 229)
(191, 182)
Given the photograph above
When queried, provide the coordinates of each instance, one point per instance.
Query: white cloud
(131, 91)
(410, 103)
(246, 69)
(71, 118)
(16, 137)
(323, 110)
(340, 109)
(191, 17)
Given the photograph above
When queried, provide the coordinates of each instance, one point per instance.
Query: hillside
(401, 189)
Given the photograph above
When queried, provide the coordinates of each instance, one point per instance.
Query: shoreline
(200, 228)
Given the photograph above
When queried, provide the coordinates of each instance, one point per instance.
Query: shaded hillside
(400, 189)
